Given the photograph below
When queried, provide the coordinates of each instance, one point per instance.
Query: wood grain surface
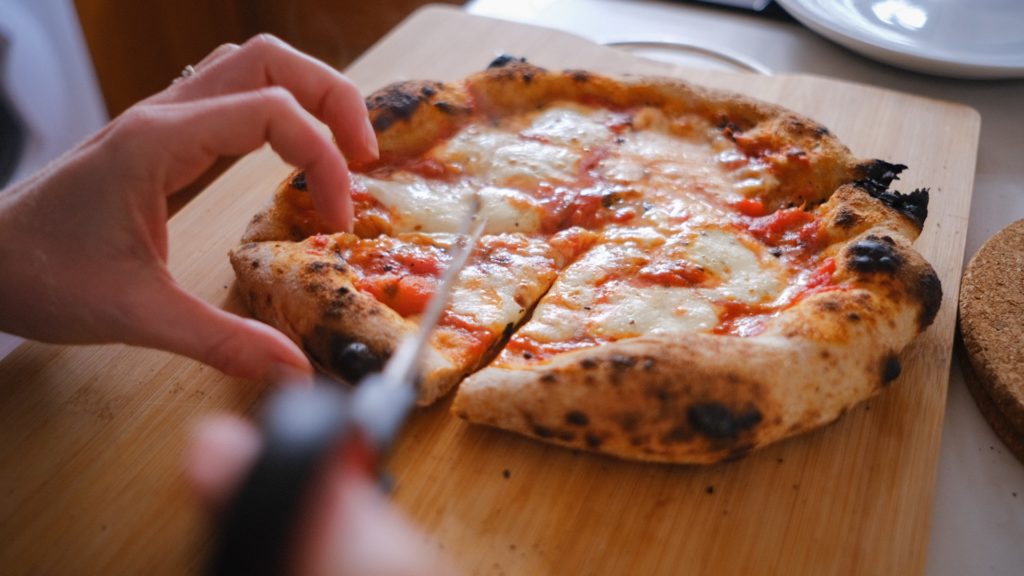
(92, 438)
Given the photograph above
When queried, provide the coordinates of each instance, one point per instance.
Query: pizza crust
(346, 332)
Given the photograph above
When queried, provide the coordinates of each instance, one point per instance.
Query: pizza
(668, 273)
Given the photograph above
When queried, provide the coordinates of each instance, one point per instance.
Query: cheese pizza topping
(685, 241)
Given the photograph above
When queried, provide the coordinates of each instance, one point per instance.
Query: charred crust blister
(504, 60)
(846, 218)
(622, 361)
(891, 369)
(353, 360)
(874, 254)
(580, 76)
(316, 267)
(576, 418)
(719, 422)
(930, 295)
(298, 181)
(913, 205)
(398, 102)
(878, 175)
(446, 107)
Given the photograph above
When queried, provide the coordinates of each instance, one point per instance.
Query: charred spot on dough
(930, 295)
(628, 422)
(728, 128)
(546, 432)
(299, 181)
(352, 359)
(316, 267)
(639, 440)
(874, 254)
(829, 305)
(588, 363)
(593, 441)
(577, 418)
(891, 369)
(447, 107)
(315, 287)
(549, 378)
(913, 205)
(677, 435)
(619, 361)
(542, 431)
(648, 364)
(719, 422)
(846, 218)
(580, 76)
(398, 102)
(877, 175)
(504, 60)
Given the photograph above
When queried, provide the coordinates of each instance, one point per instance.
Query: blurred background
(67, 66)
(137, 47)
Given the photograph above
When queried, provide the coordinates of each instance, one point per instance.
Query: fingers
(352, 528)
(218, 53)
(222, 450)
(174, 320)
(355, 530)
(266, 61)
(190, 136)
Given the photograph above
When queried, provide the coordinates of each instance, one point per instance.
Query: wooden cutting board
(91, 438)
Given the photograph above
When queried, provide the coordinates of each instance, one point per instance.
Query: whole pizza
(668, 273)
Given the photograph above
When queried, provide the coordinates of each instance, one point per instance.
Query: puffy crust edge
(311, 299)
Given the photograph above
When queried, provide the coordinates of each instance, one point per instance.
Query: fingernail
(370, 139)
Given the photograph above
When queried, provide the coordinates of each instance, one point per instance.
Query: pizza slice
(348, 301)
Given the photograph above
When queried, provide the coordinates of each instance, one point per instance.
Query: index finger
(267, 61)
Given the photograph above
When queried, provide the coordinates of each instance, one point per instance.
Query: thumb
(179, 322)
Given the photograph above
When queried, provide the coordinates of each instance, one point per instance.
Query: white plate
(959, 38)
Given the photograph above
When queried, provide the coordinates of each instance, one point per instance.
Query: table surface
(978, 522)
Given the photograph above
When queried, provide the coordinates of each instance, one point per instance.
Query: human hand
(351, 528)
(83, 243)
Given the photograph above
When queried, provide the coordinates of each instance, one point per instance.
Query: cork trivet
(992, 329)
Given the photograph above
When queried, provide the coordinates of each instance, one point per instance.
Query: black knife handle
(301, 427)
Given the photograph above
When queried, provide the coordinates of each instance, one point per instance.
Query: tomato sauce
(524, 350)
(465, 336)
(404, 278)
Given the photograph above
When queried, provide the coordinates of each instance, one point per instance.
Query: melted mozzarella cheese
(654, 310)
(417, 204)
(501, 158)
(491, 295)
(744, 276)
(593, 299)
(570, 126)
